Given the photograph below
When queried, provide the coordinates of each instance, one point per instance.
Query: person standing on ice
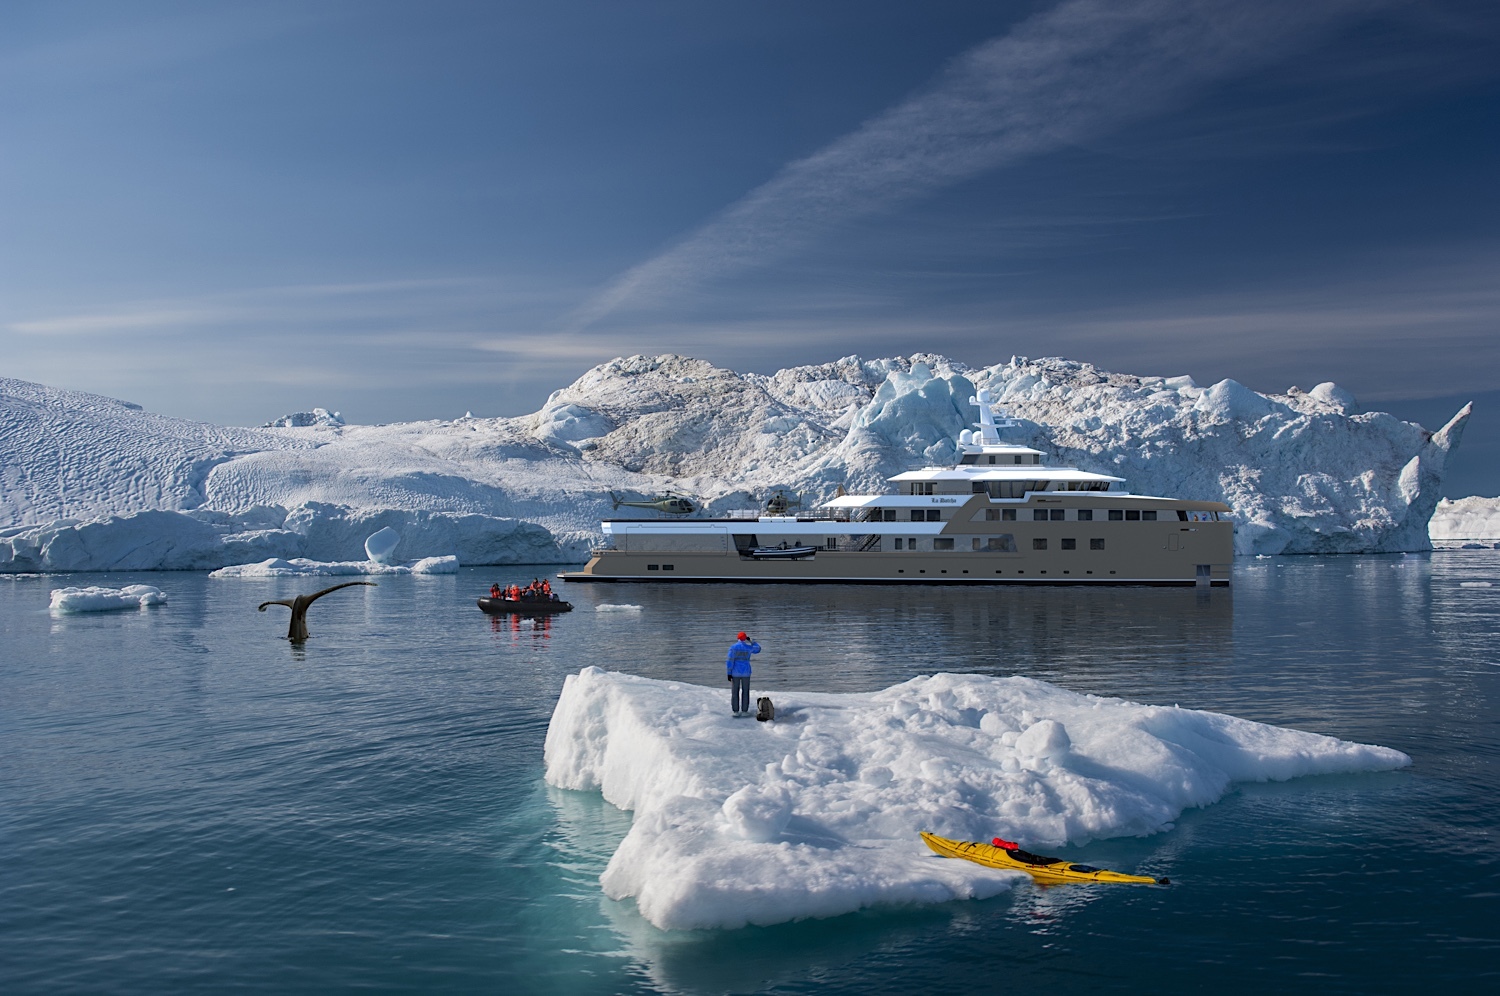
(738, 666)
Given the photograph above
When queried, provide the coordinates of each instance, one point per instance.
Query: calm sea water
(189, 803)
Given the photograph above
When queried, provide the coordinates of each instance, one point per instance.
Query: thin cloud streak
(1066, 76)
(266, 305)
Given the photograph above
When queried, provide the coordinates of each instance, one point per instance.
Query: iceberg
(816, 813)
(93, 599)
(1304, 471)
(381, 544)
(1466, 522)
(301, 567)
(206, 540)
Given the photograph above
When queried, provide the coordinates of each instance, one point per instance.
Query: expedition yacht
(1000, 516)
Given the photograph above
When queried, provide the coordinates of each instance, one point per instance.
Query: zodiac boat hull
(523, 607)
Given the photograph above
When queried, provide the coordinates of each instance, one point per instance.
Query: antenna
(988, 434)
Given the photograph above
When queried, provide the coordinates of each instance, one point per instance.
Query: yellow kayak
(1048, 871)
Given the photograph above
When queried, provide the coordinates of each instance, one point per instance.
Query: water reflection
(515, 626)
(862, 638)
(398, 751)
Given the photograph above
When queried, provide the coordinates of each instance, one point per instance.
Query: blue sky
(404, 210)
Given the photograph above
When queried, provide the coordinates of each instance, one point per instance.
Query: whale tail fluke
(297, 627)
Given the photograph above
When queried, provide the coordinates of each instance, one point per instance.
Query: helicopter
(670, 502)
(780, 502)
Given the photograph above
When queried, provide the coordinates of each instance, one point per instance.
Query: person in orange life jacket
(738, 666)
(494, 591)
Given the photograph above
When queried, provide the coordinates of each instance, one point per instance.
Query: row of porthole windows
(1040, 515)
(1005, 543)
(1080, 515)
(1067, 543)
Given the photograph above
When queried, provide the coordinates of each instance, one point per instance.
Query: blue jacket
(738, 662)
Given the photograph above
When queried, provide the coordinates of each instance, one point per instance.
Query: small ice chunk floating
(818, 813)
(93, 599)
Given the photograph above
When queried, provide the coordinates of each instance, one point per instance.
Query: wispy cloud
(263, 306)
(1068, 75)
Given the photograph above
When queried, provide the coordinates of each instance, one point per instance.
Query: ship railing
(801, 515)
(826, 514)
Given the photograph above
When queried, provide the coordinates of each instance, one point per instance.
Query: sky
(400, 211)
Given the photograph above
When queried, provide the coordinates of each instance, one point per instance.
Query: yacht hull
(961, 551)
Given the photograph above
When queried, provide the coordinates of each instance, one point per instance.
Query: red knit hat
(743, 636)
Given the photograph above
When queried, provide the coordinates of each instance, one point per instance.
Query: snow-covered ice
(381, 544)
(97, 484)
(203, 539)
(612, 607)
(276, 568)
(816, 814)
(135, 596)
(1466, 520)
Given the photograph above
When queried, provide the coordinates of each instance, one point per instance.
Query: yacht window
(911, 543)
(943, 543)
(977, 487)
(1018, 458)
(1069, 544)
(890, 515)
(934, 515)
(1096, 544)
(1040, 543)
(1182, 516)
(1085, 515)
(1149, 516)
(1057, 514)
(898, 542)
(1116, 515)
(1008, 515)
(832, 544)
(1001, 544)
(992, 515)
(976, 542)
(1132, 515)
(918, 515)
(1039, 515)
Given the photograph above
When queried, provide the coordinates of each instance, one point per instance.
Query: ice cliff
(1467, 520)
(90, 483)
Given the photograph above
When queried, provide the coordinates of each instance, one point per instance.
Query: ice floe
(816, 814)
(277, 568)
(93, 599)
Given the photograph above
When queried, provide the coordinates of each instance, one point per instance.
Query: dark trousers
(739, 694)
